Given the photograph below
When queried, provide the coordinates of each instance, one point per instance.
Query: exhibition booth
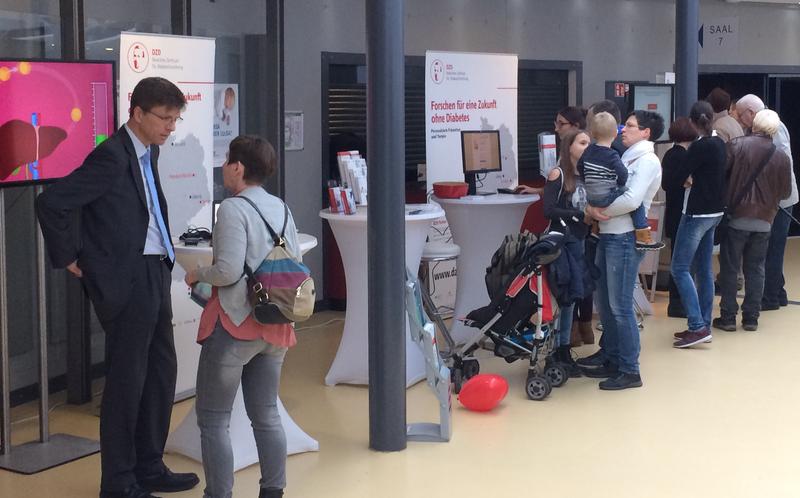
(471, 173)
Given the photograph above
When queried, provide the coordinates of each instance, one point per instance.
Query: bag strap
(752, 178)
(278, 241)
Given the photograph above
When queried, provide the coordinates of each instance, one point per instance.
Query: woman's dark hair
(154, 92)
(257, 156)
(649, 119)
(681, 130)
(575, 115)
(567, 168)
(719, 99)
(606, 106)
(702, 116)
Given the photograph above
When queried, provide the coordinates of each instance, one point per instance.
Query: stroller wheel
(556, 374)
(471, 368)
(537, 388)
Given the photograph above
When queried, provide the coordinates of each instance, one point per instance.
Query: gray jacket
(240, 236)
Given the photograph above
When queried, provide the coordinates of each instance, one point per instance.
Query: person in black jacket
(122, 252)
(703, 173)
(682, 134)
(563, 201)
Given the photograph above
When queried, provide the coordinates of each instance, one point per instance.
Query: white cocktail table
(478, 225)
(351, 366)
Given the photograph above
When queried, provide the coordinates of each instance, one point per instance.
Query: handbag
(721, 232)
(280, 289)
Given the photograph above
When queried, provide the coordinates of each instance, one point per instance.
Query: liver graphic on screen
(20, 145)
(53, 114)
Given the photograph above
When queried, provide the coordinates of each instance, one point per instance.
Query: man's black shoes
(604, 371)
(170, 482)
(592, 361)
(621, 381)
(132, 491)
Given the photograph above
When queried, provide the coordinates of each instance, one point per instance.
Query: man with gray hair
(774, 292)
(758, 179)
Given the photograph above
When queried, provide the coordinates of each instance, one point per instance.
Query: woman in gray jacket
(236, 348)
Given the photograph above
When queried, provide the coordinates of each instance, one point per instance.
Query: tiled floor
(720, 420)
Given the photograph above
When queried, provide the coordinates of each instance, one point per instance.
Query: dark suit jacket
(108, 192)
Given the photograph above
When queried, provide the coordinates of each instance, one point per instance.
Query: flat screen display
(53, 114)
(480, 151)
(656, 98)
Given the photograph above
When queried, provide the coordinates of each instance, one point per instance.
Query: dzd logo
(437, 71)
(138, 57)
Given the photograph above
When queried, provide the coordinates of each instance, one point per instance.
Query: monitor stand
(470, 178)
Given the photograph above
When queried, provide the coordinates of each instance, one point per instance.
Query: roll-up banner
(185, 161)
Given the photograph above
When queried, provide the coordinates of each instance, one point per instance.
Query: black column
(273, 92)
(181, 17)
(386, 224)
(687, 13)
(79, 352)
(73, 47)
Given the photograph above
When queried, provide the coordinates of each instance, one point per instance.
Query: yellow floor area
(718, 420)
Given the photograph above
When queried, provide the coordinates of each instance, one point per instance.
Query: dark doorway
(736, 84)
(786, 100)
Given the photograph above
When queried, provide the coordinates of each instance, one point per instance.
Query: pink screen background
(54, 89)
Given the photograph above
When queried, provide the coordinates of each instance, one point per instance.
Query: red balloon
(483, 392)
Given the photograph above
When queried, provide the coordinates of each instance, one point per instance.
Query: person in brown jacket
(749, 228)
(724, 124)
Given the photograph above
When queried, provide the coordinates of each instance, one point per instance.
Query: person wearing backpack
(235, 347)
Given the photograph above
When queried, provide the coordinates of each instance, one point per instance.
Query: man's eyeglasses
(169, 120)
(561, 123)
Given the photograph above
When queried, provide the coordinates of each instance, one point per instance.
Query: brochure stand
(423, 333)
(50, 450)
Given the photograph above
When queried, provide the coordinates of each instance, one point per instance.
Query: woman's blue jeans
(618, 261)
(565, 319)
(225, 362)
(693, 245)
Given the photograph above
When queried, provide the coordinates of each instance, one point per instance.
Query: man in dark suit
(123, 256)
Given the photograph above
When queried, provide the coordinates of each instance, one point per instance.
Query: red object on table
(450, 190)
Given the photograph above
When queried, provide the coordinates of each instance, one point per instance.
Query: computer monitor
(656, 97)
(52, 115)
(480, 153)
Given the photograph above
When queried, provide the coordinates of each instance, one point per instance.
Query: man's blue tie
(151, 186)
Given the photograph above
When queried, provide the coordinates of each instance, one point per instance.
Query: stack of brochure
(353, 172)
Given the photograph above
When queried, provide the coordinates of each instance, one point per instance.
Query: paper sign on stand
(463, 92)
(547, 153)
(226, 119)
(466, 92)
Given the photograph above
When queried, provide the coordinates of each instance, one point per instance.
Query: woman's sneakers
(689, 338)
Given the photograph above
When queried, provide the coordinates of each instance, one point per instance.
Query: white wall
(615, 39)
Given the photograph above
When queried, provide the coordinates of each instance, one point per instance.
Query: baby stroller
(520, 322)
